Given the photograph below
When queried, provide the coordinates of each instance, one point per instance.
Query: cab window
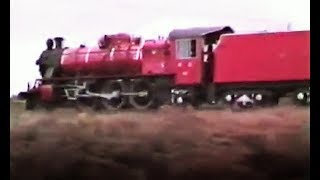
(185, 48)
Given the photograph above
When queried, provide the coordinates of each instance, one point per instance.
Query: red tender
(263, 57)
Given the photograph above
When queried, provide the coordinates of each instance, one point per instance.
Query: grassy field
(171, 143)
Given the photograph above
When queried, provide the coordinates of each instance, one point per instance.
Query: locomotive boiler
(203, 65)
(116, 55)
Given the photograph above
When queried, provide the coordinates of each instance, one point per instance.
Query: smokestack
(59, 42)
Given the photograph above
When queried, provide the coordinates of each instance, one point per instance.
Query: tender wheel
(116, 102)
(194, 98)
(266, 99)
(146, 97)
(302, 97)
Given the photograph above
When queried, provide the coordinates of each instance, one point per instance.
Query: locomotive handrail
(100, 77)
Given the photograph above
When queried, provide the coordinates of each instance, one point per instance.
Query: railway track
(205, 107)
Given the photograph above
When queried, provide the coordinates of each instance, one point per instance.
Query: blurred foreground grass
(171, 143)
(16, 110)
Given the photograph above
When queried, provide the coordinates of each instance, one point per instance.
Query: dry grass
(169, 144)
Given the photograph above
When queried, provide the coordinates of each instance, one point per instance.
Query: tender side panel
(267, 57)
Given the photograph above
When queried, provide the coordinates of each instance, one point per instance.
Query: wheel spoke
(114, 103)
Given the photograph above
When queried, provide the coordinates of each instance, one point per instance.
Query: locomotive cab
(192, 59)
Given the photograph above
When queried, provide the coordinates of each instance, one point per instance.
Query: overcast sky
(79, 21)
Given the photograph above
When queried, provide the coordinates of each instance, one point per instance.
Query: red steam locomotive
(198, 66)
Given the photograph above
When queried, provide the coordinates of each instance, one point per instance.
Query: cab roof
(197, 32)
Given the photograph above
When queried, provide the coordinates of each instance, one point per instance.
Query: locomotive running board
(104, 77)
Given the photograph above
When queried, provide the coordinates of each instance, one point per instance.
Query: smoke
(171, 143)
